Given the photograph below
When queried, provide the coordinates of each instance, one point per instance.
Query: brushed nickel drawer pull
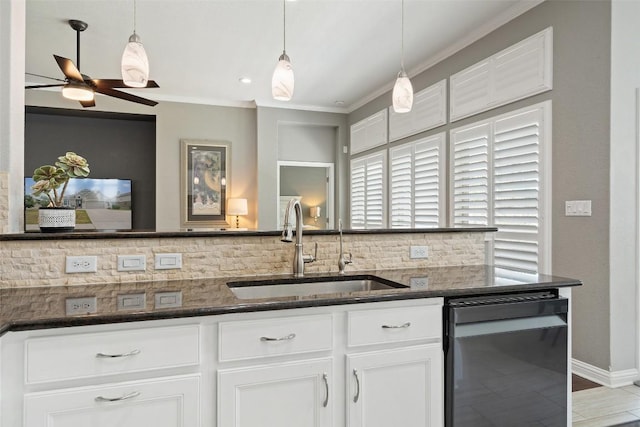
(285, 338)
(357, 396)
(105, 355)
(326, 388)
(403, 326)
(118, 399)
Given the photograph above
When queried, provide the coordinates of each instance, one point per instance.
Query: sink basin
(308, 287)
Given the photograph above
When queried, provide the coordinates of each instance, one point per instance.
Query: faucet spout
(299, 258)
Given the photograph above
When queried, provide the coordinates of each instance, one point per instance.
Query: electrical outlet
(419, 283)
(82, 264)
(419, 252)
(86, 305)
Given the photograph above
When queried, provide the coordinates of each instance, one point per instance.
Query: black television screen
(101, 204)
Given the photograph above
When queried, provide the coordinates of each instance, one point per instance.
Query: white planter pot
(56, 220)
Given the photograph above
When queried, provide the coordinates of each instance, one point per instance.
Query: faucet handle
(350, 260)
(311, 258)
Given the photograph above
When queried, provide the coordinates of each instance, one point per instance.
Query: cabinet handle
(357, 396)
(285, 338)
(403, 326)
(118, 399)
(326, 388)
(105, 355)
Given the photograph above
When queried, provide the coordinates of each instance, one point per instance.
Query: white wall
(12, 41)
(625, 81)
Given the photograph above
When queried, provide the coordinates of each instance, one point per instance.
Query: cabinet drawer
(400, 324)
(105, 353)
(165, 402)
(273, 337)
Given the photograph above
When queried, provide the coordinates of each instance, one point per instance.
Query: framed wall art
(204, 186)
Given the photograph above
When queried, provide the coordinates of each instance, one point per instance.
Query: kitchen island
(363, 358)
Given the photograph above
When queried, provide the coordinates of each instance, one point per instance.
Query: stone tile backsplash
(42, 262)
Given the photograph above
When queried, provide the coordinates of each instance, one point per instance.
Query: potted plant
(47, 180)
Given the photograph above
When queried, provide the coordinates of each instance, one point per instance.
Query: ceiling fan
(81, 87)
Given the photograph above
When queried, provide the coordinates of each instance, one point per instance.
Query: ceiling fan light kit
(402, 96)
(282, 82)
(77, 91)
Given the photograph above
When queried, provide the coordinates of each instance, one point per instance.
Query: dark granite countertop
(137, 234)
(44, 307)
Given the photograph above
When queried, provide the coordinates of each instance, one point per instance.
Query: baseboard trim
(601, 376)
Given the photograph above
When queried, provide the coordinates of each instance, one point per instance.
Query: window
(368, 191)
(417, 183)
(501, 176)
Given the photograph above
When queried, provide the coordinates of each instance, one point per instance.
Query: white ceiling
(341, 50)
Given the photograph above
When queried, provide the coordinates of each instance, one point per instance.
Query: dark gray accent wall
(115, 145)
(581, 143)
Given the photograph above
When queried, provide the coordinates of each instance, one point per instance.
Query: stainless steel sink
(257, 290)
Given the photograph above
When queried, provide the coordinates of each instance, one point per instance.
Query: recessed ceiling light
(245, 80)
(339, 103)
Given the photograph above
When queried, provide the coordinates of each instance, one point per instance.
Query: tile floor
(604, 407)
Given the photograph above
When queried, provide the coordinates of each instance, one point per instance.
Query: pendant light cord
(284, 25)
(134, 16)
(402, 37)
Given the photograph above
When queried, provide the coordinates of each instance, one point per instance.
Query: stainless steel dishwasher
(506, 360)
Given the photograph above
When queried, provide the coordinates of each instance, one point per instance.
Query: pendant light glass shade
(77, 92)
(282, 82)
(135, 64)
(402, 94)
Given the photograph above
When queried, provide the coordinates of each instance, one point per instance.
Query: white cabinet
(401, 387)
(171, 402)
(288, 394)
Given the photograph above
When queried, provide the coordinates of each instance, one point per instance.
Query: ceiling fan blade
(86, 104)
(114, 83)
(41, 86)
(125, 96)
(44, 77)
(68, 68)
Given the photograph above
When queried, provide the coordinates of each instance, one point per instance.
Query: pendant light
(135, 65)
(282, 80)
(402, 90)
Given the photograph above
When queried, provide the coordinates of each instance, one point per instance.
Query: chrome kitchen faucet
(299, 258)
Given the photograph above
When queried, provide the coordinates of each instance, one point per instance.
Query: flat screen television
(101, 204)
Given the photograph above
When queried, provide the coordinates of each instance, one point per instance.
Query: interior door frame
(330, 211)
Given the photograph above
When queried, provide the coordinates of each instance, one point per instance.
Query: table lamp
(237, 207)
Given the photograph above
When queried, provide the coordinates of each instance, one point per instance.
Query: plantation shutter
(499, 178)
(470, 175)
(368, 191)
(417, 184)
(516, 190)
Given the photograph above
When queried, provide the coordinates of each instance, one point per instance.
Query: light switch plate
(168, 261)
(132, 263)
(577, 208)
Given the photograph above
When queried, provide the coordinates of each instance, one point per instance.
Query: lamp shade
(77, 91)
(135, 64)
(282, 81)
(315, 211)
(402, 94)
(237, 207)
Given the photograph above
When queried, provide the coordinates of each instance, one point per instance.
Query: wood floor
(598, 406)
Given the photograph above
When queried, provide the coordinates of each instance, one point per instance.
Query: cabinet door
(287, 394)
(396, 387)
(170, 402)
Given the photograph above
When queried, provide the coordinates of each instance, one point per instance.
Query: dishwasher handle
(469, 312)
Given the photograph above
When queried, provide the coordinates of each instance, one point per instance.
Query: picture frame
(204, 172)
